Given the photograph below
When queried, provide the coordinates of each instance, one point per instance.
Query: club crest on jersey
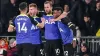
(48, 22)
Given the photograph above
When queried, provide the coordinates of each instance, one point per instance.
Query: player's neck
(24, 13)
(50, 13)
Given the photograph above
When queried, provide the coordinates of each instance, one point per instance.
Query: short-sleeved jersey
(66, 33)
(51, 28)
(23, 28)
(35, 32)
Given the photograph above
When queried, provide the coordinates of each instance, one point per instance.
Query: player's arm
(11, 27)
(71, 25)
(68, 22)
(40, 25)
(63, 15)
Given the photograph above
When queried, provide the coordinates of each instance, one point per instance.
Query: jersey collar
(23, 15)
(35, 16)
(49, 14)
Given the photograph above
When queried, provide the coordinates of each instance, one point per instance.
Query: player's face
(56, 13)
(32, 10)
(47, 8)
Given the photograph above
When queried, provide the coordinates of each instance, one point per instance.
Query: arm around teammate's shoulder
(40, 25)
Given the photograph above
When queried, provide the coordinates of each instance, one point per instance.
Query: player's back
(51, 28)
(66, 33)
(23, 29)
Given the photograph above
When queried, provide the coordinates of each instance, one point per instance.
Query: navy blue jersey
(66, 33)
(23, 29)
(35, 32)
(51, 28)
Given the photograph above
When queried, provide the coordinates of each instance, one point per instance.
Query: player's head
(33, 9)
(48, 7)
(23, 7)
(57, 11)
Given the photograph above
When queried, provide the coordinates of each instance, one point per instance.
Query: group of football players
(58, 31)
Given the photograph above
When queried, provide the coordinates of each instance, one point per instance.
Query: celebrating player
(66, 33)
(22, 24)
(37, 49)
(52, 35)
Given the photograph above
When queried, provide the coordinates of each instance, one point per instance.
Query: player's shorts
(24, 49)
(68, 50)
(53, 48)
(37, 50)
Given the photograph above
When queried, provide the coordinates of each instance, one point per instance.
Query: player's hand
(10, 28)
(43, 19)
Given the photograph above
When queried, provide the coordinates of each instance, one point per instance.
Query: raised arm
(63, 15)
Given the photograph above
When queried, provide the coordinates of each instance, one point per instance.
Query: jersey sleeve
(35, 22)
(72, 26)
(38, 20)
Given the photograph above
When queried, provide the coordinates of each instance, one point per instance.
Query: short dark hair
(22, 5)
(58, 9)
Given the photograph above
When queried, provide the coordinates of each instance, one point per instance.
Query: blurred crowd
(8, 48)
(84, 13)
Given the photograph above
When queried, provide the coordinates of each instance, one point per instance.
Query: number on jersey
(23, 28)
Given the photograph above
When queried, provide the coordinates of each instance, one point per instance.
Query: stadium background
(90, 37)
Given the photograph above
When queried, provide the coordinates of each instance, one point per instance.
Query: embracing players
(53, 46)
(37, 48)
(65, 31)
(23, 26)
